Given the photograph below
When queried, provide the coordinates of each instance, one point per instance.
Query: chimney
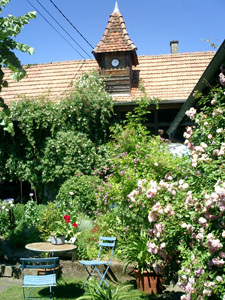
(174, 47)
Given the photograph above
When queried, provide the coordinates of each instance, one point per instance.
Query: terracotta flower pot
(149, 282)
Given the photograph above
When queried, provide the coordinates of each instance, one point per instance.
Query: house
(172, 78)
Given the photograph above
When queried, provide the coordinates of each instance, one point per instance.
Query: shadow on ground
(170, 296)
(64, 291)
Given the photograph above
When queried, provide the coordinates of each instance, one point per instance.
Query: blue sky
(151, 25)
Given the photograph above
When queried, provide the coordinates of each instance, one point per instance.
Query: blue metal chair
(91, 265)
(31, 282)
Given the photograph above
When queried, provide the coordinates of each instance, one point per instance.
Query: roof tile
(168, 77)
(115, 37)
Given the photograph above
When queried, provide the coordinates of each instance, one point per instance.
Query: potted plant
(63, 229)
(134, 251)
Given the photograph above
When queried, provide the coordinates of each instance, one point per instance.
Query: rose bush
(135, 156)
(188, 235)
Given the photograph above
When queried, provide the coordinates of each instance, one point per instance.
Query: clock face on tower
(115, 62)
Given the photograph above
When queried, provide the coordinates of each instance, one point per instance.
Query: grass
(70, 288)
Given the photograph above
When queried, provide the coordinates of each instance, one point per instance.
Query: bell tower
(116, 54)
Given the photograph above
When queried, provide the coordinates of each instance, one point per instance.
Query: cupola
(116, 54)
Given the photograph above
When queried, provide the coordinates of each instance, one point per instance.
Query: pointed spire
(116, 38)
(116, 9)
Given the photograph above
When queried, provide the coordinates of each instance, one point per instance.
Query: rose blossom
(222, 254)
(219, 130)
(202, 221)
(218, 262)
(191, 113)
(219, 278)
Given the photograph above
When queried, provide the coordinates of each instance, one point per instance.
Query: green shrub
(27, 219)
(78, 194)
(6, 216)
(24, 233)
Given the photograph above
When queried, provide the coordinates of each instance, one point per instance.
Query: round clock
(115, 62)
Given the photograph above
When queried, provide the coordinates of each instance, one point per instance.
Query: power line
(63, 28)
(71, 24)
(55, 29)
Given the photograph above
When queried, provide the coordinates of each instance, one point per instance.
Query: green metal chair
(31, 282)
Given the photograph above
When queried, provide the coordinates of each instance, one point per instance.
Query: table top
(48, 247)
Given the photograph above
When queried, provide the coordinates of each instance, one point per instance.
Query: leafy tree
(10, 27)
(54, 140)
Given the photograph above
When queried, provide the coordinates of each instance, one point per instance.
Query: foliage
(58, 220)
(26, 220)
(189, 234)
(54, 141)
(134, 251)
(6, 215)
(10, 27)
(135, 156)
(79, 193)
(64, 227)
(94, 291)
(24, 233)
(33, 213)
(34, 222)
(88, 108)
(87, 245)
(65, 153)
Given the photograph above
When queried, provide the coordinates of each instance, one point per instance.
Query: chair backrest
(39, 263)
(108, 242)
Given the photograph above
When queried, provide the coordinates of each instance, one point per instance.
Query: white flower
(202, 220)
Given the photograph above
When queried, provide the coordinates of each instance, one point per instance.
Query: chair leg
(51, 292)
(24, 293)
(89, 273)
(102, 276)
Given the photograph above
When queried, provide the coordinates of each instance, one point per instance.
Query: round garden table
(48, 247)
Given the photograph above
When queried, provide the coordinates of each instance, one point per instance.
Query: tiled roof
(172, 76)
(168, 77)
(115, 37)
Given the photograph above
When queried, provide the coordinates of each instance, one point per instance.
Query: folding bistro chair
(31, 282)
(91, 265)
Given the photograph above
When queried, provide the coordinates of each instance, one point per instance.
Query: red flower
(67, 218)
(75, 225)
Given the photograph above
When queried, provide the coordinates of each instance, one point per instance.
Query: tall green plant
(96, 292)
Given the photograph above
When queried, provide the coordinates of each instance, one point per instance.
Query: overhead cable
(71, 24)
(63, 29)
(55, 29)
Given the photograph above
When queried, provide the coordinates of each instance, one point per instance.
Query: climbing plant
(10, 27)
